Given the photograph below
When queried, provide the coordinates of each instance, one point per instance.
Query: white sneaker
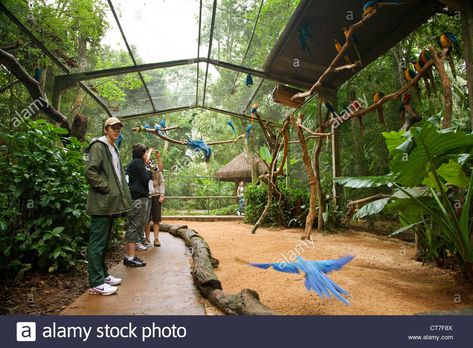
(140, 247)
(111, 280)
(103, 289)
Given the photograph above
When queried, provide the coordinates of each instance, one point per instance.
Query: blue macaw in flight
(372, 5)
(315, 278)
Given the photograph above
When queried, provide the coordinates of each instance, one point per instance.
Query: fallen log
(246, 302)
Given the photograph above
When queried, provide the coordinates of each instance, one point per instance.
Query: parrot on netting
(424, 57)
(38, 73)
(372, 5)
(314, 271)
(376, 98)
(304, 36)
(448, 41)
(230, 123)
(249, 80)
(248, 130)
(200, 145)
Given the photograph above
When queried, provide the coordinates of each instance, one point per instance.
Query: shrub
(289, 211)
(42, 218)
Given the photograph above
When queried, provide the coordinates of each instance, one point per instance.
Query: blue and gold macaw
(338, 47)
(354, 41)
(448, 41)
(315, 275)
(376, 98)
(411, 74)
(254, 110)
(304, 37)
(372, 5)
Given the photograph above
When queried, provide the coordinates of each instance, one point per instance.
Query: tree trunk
(309, 222)
(246, 302)
(447, 86)
(320, 194)
(80, 122)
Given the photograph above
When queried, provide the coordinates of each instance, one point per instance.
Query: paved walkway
(163, 287)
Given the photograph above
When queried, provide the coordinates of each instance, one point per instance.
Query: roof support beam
(130, 52)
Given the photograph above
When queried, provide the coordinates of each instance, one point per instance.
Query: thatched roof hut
(239, 168)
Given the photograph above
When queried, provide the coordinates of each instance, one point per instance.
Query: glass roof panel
(172, 87)
(123, 94)
(159, 31)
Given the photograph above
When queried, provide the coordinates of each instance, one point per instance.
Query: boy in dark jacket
(138, 181)
(109, 197)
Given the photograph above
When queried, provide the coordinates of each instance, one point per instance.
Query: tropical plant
(432, 192)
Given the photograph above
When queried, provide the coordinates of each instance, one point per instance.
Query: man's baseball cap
(112, 121)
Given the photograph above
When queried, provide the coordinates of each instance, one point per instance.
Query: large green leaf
(410, 168)
(371, 208)
(265, 154)
(364, 181)
(394, 139)
(453, 173)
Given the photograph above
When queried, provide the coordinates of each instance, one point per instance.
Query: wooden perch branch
(314, 134)
(337, 58)
(242, 136)
(246, 302)
(12, 64)
(347, 67)
(385, 99)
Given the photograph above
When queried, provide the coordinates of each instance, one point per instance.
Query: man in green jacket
(109, 197)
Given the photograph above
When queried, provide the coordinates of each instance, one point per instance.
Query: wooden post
(467, 25)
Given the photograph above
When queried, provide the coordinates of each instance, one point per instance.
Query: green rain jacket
(106, 195)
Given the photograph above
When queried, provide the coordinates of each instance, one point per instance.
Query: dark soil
(48, 293)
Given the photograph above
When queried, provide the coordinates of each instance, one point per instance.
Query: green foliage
(290, 210)
(434, 193)
(42, 215)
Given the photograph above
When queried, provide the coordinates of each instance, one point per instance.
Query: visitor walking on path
(108, 198)
(157, 190)
(138, 181)
(241, 198)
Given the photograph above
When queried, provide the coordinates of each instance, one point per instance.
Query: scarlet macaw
(315, 274)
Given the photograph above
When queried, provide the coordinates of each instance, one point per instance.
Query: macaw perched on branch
(372, 5)
(354, 40)
(404, 106)
(448, 41)
(249, 80)
(147, 126)
(429, 82)
(230, 123)
(314, 271)
(338, 47)
(254, 110)
(376, 98)
(410, 74)
(200, 145)
(304, 36)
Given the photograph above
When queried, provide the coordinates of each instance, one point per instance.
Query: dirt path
(383, 279)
